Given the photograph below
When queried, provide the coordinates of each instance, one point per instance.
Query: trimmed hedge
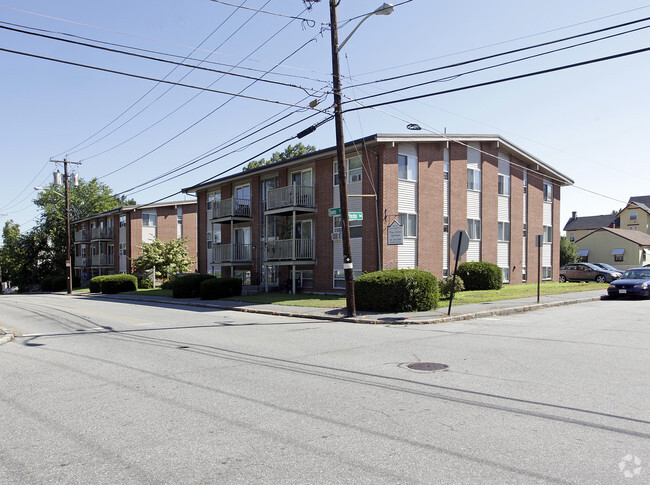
(215, 288)
(397, 290)
(117, 283)
(189, 286)
(95, 284)
(55, 282)
(480, 275)
(445, 286)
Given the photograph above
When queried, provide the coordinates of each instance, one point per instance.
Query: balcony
(103, 260)
(292, 197)
(101, 233)
(82, 236)
(288, 250)
(232, 253)
(80, 262)
(232, 210)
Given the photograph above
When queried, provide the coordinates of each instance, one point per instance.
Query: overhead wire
(309, 22)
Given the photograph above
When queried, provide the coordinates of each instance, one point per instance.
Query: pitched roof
(642, 201)
(589, 222)
(638, 237)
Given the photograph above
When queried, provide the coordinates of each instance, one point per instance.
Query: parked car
(608, 267)
(634, 282)
(587, 272)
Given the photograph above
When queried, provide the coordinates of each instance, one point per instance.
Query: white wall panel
(408, 149)
(503, 209)
(474, 155)
(445, 251)
(473, 205)
(546, 254)
(407, 196)
(504, 163)
(503, 254)
(355, 248)
(407, 253)
(548, 214)
(474, 251)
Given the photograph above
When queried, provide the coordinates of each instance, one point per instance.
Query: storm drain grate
(430, 366)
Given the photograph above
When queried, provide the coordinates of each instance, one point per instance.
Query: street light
(385, 9)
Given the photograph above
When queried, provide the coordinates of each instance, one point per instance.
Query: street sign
(353, 216)
(334, 212)
(395, 234)
(459, 243)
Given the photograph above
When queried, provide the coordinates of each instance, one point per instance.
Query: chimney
(574, 215)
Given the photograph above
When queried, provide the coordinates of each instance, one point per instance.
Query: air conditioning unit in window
(336, 236)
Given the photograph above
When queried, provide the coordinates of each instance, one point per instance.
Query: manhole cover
(427, 366)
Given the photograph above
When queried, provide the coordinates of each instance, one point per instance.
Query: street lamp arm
(385, 9)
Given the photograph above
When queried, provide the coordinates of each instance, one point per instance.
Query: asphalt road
(99, 392)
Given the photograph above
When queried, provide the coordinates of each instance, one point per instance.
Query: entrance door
(242, 247)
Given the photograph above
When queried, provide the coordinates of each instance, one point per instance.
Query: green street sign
(334, 212)
(355, 216)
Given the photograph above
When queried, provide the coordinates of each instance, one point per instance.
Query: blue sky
(588, 122)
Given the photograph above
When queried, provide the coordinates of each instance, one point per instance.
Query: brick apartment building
(276, 225)
(105, 243)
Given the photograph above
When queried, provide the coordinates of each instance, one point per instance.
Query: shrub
(144, 283)
(167, 285)
(117, 283)
(189, 286)
(55, 282)
(396, 290)
(480, 275)
(445, 286)
(215, 288)
(95, 285)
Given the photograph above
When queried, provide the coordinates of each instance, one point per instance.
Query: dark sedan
(586, 272)
(634, 282)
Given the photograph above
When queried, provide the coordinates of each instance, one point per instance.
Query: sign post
(459, 245)
(539, 241)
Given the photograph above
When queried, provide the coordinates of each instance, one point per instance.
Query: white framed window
(548, 234)
(548, 192)
(244, 276)
(547, 273)
(505, 274)
(410, 224)
(209, 240)
(356, 228)
(445, 169)
(407, 167)
(122, 249)
(525, 229)
(354, 169)
(339, 277)
(445, 224)
(302, 177)
(634, 228)
(473, 179)
(122, 221)
(474, 229)
(504, 185)
(634, 215)
(572, 236)
(525, 181)
(524, 275)
(149, 219)
(504, 231)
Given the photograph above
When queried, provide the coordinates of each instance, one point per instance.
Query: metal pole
(539, 264)
(453, 281)
(340, 154)
(67, 227)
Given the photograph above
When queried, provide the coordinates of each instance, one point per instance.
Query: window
(122, 249)
(504, 185)
(149, 219)
(407, 168)
(244, 276)
(525, 229)
(339, 277)
(474, 228)
(547, 273)
(525, 181)
(524, 276)
(548, 192)
(410, 224)
(634, 228)
(122, 221)
(618, 254)
(572, 236)
(634, 215)
(473, 179)
(355, 227)
(548, 234)
(505, 274)
(445, 169)
(504, 231)
(445, 224)
(210, 201)
(302, 177)
(209, 240)
(354, 169)
(618, 258)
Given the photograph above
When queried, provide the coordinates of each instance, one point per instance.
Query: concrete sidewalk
(460, 312)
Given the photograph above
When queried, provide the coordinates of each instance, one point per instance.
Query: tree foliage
(291, 151)
(568, 251)
(25, 258)
(170, 257)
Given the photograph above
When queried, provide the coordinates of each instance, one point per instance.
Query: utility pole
(340, 154)
(66, 181)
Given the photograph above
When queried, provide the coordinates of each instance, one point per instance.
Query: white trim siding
(407, 196)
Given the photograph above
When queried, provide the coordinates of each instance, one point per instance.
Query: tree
(171, 256)
(291, 151)
(25, 258)
(568, 251)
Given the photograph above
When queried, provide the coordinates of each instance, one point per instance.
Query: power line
(309, 22)
(502, 80)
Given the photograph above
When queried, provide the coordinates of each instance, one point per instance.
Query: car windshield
(607, 266)
(637, 274)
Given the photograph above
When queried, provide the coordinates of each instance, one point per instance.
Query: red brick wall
(535, 221)
(370, 210)
(322, 224)
(489, 201)
(202, 230)
(388, 203)
(556, 232)
(516, 220)
(190, 213)
(134, 237)
(457, 193)
(430, 207)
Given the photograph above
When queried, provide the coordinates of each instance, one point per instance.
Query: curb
(372, 320)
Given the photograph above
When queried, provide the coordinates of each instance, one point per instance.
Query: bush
(189, 286)
(480, 275)
(144, 283)
(215, 288)
(117, 283)
(445, 286)
(55, 282)
(397, 290)
(95, 285)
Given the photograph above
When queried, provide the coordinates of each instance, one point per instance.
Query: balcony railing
(82, 236)
(290, 196)
(80, 262)
(102, 233)
(234, 207)
(231, 253)
(103, 260)
(290, 250)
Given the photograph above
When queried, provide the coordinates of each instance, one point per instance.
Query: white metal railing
(290, 196)
(227, 253)
(101, 233)
(81, 236)
(231, 207)
(289, 249)
(80, 262)
(103, 260)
